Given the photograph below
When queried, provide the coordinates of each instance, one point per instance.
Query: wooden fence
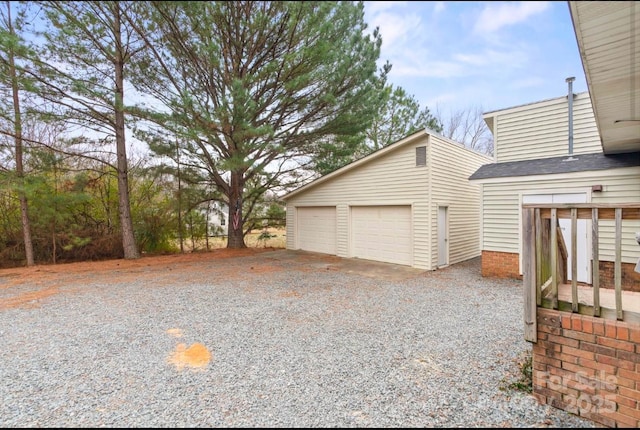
(545, 256)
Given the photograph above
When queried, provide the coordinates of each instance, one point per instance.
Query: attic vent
(421, 156)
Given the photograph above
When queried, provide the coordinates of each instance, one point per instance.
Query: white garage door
(317, 229)
(382, 233)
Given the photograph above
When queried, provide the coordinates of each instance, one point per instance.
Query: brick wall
(501, 264)
(630, 278)
(588, 366)
(506, 265)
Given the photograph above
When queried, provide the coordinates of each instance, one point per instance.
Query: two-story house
(550, 152)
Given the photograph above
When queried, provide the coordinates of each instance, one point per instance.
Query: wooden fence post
(529, 270)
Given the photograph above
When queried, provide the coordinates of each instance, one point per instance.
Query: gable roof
(377, 154)
(563, 164)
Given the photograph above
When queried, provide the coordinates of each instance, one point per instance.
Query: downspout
(431, 266)
(570, 98)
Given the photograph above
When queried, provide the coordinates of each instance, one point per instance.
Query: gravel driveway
(276, 339)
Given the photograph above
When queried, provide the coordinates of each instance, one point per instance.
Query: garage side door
(382, 233)
(316, 229)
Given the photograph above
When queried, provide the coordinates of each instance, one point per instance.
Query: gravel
(295, 340)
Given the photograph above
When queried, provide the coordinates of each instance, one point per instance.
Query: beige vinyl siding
(343, 223)
(392, 179)
(500, 217)
(626, 190)
(290, 227)
(541, 130)
(421, 236)
(502, 199)
(452, 165)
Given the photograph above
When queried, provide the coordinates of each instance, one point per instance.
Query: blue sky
(454, 55)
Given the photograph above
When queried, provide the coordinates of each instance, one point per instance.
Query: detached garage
(410, 203)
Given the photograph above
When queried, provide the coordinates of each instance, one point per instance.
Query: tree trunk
(24, 206)
(26, 226)
(235, 237)
(126, 223)
(206, 225)
(53, 243)
(179, 199)
(191, 233)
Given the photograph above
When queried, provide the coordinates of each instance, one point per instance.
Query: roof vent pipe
(570, 98)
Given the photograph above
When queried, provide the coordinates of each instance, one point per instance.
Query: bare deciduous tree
(468, 127)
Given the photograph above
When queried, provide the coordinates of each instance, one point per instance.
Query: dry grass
(278, 239)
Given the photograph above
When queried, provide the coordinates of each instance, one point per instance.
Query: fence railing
(545, 257)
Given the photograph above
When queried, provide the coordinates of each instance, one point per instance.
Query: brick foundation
(506, 265)
(588, 366)
(630, 278)
(501, 264)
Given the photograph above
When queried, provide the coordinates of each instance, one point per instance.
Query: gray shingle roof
(564, 164)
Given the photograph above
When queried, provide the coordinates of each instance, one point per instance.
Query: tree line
(126, 125)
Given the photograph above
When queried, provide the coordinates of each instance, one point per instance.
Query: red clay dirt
(42, 280)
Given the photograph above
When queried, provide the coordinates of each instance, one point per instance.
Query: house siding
(451, 167)
(421, 236)
(502, 201)
(540, 130)
(343, 220)
(290, 227)
(394, 179)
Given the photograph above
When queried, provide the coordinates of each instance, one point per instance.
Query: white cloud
(409, 45)
(429, 69)
(436, 57)
(491, 57)
(496, 16)
(489, 63)
(395, 28)
(375, 7)
(391, 28)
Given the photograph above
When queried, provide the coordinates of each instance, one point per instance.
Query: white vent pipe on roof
(570, 97)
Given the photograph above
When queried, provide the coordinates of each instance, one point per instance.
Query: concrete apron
(369, 268)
